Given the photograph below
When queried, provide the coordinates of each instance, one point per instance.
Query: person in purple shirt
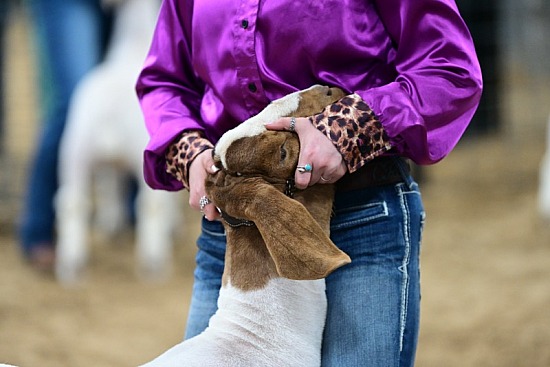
(413, 82)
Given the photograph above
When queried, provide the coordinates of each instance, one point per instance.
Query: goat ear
(298, 245)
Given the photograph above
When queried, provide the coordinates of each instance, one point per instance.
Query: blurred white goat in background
(104, 142)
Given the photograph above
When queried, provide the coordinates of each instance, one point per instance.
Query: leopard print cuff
(183, 151)
(354, 129)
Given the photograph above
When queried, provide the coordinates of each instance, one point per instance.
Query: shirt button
(252, 87)
(244, 24)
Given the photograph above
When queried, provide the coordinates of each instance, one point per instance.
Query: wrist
(181, 154)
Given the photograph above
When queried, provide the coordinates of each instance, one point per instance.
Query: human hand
(325, 161)
(202, 166)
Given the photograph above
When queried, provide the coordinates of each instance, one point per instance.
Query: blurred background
(486, 249)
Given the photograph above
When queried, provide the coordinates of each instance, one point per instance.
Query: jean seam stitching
(404, 266)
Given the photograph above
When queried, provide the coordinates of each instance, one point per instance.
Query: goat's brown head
(271, 154)
(255, 167)
(303, 103)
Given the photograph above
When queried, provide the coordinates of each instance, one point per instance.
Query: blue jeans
(70, 40)
(374, 302)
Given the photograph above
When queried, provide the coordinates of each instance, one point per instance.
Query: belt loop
(404, 170)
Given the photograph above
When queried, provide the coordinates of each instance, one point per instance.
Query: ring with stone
(204, 201)
(292, 126)
(305, 168)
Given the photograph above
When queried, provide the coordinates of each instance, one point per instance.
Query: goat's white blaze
(255, 125)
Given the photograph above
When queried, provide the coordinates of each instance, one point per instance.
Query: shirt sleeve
(429, 105)
(354, 130)
(169, 91)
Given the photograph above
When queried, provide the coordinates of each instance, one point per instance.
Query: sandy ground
(485, 265)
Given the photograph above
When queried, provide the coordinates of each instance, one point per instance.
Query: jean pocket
(358, 215)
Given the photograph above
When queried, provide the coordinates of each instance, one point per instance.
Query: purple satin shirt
(213, 64)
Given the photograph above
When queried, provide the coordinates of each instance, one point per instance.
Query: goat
(105, 134)
(272, 304)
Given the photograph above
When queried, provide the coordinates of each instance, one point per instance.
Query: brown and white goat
(272, 304)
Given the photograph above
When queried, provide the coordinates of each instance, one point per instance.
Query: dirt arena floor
(485, 264)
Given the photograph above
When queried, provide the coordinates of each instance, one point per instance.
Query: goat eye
(283, 153)
(238, 174)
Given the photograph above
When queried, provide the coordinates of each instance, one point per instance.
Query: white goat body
(279, 325)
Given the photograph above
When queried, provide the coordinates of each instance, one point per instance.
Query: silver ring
(292, 126)
(324, 179)
(204, 201)
(305, 168)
